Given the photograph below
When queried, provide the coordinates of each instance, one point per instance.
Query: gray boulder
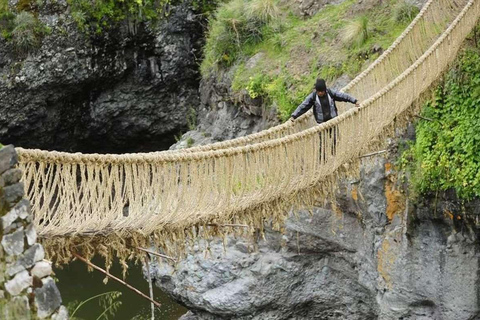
(47, 298)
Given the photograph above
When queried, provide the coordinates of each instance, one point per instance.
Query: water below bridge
(77, 284)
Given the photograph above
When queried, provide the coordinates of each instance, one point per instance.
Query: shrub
(356, 32)
(404, 12)
(447, 147)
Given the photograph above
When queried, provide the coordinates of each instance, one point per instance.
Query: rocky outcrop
(225, 115)
(27, 290)
(125, 89)
(373, 255)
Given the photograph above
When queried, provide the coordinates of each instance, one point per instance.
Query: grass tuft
(263, 10)
(237, 25)
(404, 12)
(356, 32)
(27, 33)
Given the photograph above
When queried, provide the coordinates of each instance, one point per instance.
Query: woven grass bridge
(101, 202)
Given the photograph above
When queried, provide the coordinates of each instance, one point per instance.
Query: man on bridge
(323, 100)
(324, 109)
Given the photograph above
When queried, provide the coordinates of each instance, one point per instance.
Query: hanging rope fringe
(89, 200)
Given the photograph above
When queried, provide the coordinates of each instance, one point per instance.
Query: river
(77, 284)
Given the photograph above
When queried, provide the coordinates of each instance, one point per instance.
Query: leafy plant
(107, 300)
(446, 152)
(356, 32)
(256, 86)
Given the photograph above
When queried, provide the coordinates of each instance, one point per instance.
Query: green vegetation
(14, 310)
(108, 301)
(27, 33)
(205, 7)
(190, 142)
(3, 6)
(290, 52)
(405, 12)
(192, 119)
(101, 14)
(6, 20)
(238, 24)
(446, 153)
(22, 28)
(356, 32)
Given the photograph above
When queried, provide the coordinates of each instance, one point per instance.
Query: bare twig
(228, 225)
(373, 154)
(150, 286)
(116, 279)
(156, 254)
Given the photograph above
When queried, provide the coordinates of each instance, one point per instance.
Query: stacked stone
(27, 289)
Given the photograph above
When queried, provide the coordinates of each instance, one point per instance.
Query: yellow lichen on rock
(395, 199)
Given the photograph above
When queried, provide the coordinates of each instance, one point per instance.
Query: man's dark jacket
(313, 100)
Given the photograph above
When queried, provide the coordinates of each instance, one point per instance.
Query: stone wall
(27, 289)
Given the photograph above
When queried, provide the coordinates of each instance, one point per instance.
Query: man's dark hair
(320, 85)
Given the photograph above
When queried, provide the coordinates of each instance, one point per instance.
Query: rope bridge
(167, 195)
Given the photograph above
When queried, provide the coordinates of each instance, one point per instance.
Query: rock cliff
(372, 255)
(125, 89)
